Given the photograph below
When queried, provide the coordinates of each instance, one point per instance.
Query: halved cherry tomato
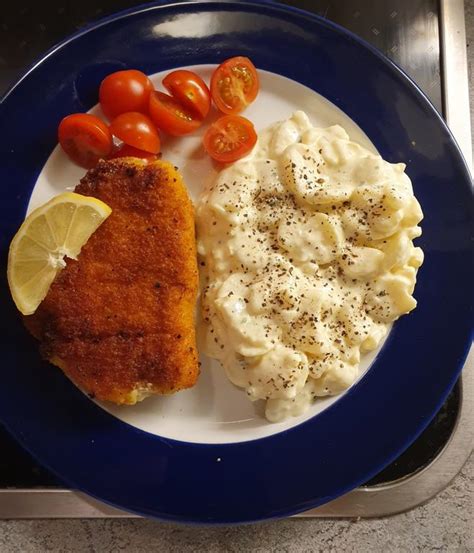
(189, 90)
(129, 151)
(85, 138)
(124, 91)
(230, 138)
(171, 116)
(234, 85)
(137, 130)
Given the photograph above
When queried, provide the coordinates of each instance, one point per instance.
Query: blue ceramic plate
(209, 465)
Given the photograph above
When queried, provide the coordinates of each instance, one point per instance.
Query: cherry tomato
(234, 85)
(124, 91)
(171, 116)
(230, 138)
(137, 130)
(85, 138)
(129, 151)
(189, 90)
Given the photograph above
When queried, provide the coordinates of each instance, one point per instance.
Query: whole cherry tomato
(85, 138)
(125, 91)
(137, 130)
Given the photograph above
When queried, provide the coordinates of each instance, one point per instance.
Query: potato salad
(307, 257)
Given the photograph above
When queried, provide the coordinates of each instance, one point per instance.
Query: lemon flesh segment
(56, 230)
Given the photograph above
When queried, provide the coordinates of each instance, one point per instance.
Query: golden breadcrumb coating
(120, 320)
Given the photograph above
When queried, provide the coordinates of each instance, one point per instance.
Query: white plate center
(214, 411)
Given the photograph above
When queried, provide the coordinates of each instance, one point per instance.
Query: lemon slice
(56, 230)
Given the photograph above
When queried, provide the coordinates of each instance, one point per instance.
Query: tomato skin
(124, 91)
(190, 91)
(85, 138)
(234, 85)
(170, 116)
(230, 138)
(137, 130)
(129, 151)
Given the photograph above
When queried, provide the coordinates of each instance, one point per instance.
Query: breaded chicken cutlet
(119, 321)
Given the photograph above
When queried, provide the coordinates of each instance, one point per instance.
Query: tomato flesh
(124, 91)
(230, 138)
(85, 138)
(234, 85)
(137, 130)
(129, 151)
(190, 91)
(170, 116)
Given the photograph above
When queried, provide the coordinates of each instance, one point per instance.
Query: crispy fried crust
(120, 320)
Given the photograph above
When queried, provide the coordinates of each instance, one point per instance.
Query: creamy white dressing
(307, 257)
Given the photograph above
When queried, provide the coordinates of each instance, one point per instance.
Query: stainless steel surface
(381, 500)
(456, 84)
(407, 31)
(38, 503)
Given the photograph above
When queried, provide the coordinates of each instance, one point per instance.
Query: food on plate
(170, 116)
(137, 130)
(229, 138)
(190, 90)
(124, 150)
(56, 230)
(234, 85)
(124, 91)
(127, 98)
(308, 256)
(119, 319)
(185, 110)
(85, 138)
